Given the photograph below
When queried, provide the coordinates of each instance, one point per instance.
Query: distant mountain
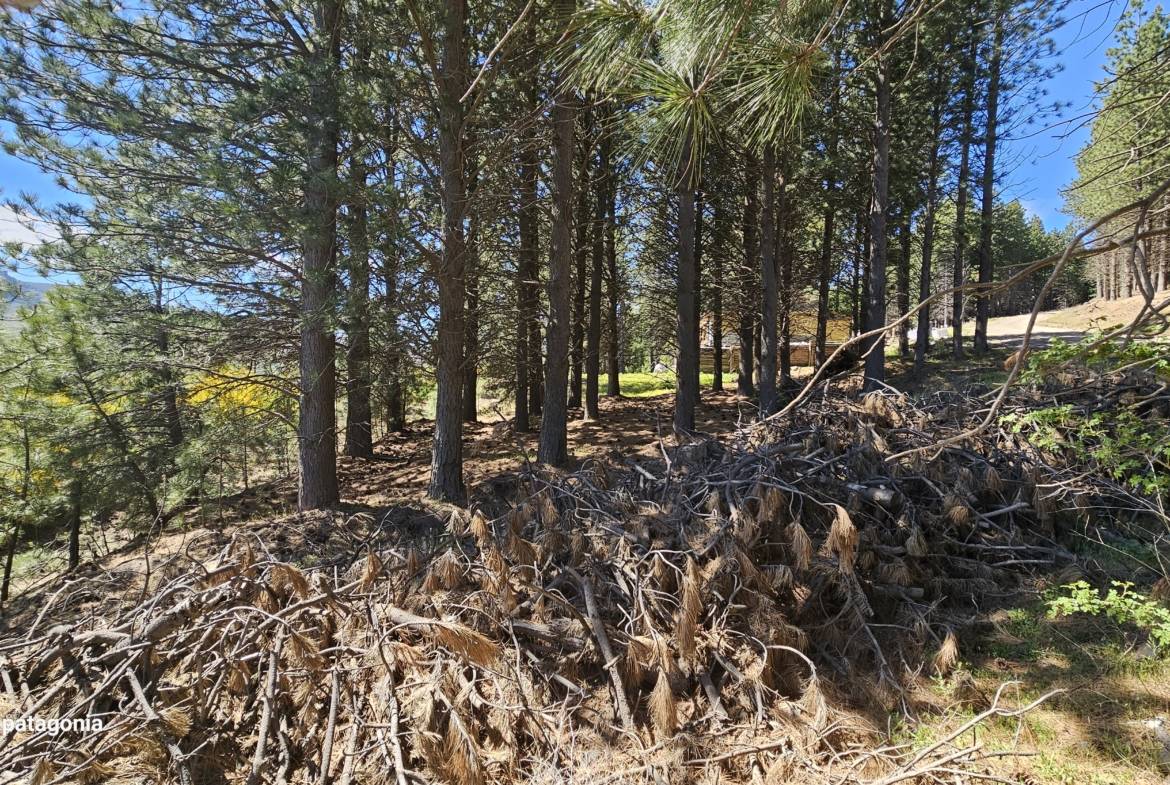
(15, 293)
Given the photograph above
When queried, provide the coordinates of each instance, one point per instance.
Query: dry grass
(1093, 315)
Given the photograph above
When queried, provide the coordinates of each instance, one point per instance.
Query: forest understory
(857, 592)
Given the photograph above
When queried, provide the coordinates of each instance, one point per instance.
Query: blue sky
(16, 179)
(1040, 165)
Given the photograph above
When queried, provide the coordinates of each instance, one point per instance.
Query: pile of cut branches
(723, 614)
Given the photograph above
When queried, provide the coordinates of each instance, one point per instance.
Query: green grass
(633, 385)
(34, 559)
(1089, 734)
(647, 385)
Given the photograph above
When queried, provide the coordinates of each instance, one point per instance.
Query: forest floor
(1092, 733)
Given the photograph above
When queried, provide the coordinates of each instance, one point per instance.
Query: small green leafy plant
(1121, 604)
(1125, 440)
(1098, 356)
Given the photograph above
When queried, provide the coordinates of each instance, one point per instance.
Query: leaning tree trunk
(317, 421)
(447, 445)
(554, 447)
(959, 268)
(875, 312)
(359, 439)
(768, 349)
(987, 218)
(686, 396)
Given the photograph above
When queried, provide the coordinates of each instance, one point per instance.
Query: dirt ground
(1068, 323)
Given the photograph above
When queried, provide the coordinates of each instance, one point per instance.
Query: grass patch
(636, 384)
(1091, 733)
(36, 560)
(647, 385)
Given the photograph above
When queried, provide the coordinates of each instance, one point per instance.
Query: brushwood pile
(727, 613)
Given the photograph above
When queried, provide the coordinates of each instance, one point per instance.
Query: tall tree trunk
(717, 305)
(747, 302)
(768, 350)
(758, 347)
(394, 383)
(471, 336)
(784, 254)
(859, 252)
(744, 381)
(922, 337)
(825, 271)
(15, 527)
(359, 437)
(825, 277)
(1116, 283)
(317, 423)
(866, 253)
(613, 385)
(593, 337)
(75, 497)
(447, 447)
(535, 366)
(875, 360)
(554, 449)
(14, 532)
(527, 272)
(1162, 255)
(987, 218)
(904, 285)
(169, 391)
(959, 267)
(687, 371)
(582, 248)
(697, 307)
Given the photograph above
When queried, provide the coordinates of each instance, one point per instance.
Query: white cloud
(1034, 207)
(15, 228)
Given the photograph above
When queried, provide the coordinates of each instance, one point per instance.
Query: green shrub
(1121, 604)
